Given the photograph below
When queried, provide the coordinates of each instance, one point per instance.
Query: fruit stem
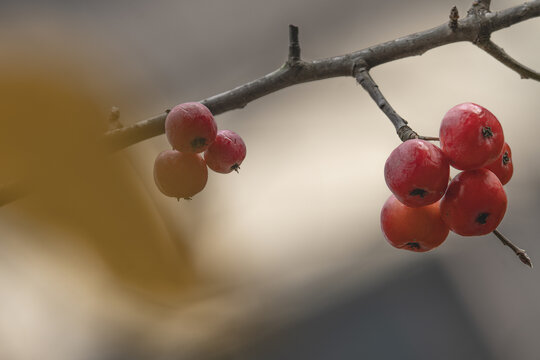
(519, 252)
(404, 132)
(361, 73)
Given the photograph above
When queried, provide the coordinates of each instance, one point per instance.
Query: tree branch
(295, 71)
(114, 119)
(344, 65)
(498, 53)
(403, 130)
(480, 9)
(519, 252)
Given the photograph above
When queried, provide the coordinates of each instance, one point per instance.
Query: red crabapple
(226, 153)
(503, 167)
(190, 127)
(474, 203)
(416, 229)
(471, 136)
(180, 175)
(417, 173)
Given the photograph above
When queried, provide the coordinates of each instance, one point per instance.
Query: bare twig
(454, 16)
(479, 9)
(294, 45)
(114, 119)
(403, 130)
(344, 65)
(498, 53)
(519, 252)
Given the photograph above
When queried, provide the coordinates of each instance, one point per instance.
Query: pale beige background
(299, 227)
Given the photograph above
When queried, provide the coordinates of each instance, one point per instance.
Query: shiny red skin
(474, 203)
(471, 136)
(417, 173)
(416, 229)
(503, 167)
(190, 127)
(226, 153)
(180, 175)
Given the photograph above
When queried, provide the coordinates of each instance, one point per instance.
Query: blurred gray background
(288, 255)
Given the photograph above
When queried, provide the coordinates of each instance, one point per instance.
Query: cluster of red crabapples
(424, 207)
(191, 129)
